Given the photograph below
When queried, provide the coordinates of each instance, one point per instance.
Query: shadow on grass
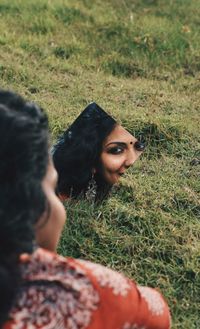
(65, 52)
(124, 68)
(69, 15)
(161, 139)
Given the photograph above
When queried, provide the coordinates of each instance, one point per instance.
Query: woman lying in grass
(38, 288)
(92, 155)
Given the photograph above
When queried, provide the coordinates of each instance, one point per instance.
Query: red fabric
(65, 293)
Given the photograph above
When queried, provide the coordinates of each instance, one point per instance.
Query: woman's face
(119, 153)
(49, 227)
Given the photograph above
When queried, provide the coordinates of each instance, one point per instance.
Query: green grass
(140, 60)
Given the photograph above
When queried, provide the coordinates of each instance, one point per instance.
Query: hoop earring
(91, 190)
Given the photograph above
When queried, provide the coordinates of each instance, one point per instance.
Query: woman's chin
(114, 180)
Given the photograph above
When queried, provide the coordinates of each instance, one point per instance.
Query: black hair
(24, 159)
(78, 150)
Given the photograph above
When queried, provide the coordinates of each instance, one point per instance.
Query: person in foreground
(92, 155)
(39, 288)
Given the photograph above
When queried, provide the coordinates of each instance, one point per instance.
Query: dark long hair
(23, 164)
(78, 151)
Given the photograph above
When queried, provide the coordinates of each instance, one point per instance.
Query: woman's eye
(139, 146)
(116, 150)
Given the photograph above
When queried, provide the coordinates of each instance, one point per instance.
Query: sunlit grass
(140, 61)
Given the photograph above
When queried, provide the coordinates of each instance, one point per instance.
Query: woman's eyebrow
(117, 143)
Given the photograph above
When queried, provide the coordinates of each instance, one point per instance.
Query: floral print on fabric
(66, 300)
(64, 293)
(109, 279)
(50, 307)
(154, 301)
(132, 326)
(38, 310)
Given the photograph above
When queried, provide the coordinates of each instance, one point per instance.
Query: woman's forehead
(119, 134)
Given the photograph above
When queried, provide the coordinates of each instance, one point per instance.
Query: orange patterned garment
(65, 293)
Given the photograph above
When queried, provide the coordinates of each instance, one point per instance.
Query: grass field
(140, 60)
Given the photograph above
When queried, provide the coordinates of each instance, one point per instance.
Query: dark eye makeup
(139, 146)
(116, 150)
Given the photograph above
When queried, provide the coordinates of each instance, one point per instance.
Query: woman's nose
(133, 154)
(131, 158)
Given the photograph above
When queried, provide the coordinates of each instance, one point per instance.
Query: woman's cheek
(114, 162)
(59, 211)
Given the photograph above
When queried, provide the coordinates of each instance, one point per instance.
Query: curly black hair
(78, 150)
(24, 159)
